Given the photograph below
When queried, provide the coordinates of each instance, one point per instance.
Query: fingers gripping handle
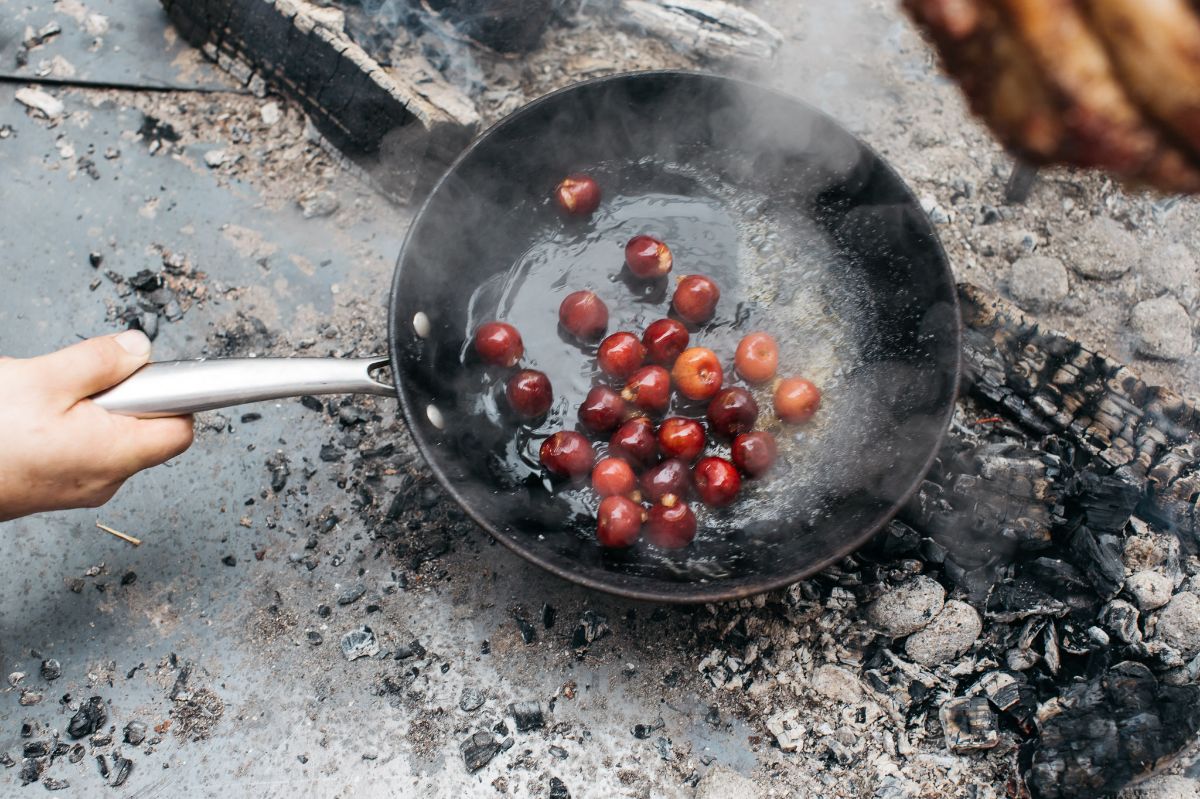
(171, 388)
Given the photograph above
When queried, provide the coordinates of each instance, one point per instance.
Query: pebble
(1163, 329)
(270, 113)
(1171, 269)
(908, 607)
(320, 203)
(1038, 281)
(950, 634)
(1149, 589)
(46, 104)
(1178, 624)
(836, 683)
(214, 158)
(1106, 250)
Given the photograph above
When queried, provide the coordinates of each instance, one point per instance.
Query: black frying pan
(810, 235)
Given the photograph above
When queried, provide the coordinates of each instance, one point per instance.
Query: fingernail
(134, 342)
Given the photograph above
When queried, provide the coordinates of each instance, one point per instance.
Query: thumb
(90, 366)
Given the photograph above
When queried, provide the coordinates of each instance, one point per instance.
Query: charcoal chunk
(31, 770)
(135, 732)
(359, 643)
(527, 715)
(351, 594)
(122, 766)
(592, 626)
(528, 631)
(89, 718)
(1103, 733)
(558, 789)
(1100, 559)
(471, 700)
(478, 750)
(53, 784)
(51, 670)
(969, 724)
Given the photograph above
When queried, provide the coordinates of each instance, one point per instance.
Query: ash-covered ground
(311, 613)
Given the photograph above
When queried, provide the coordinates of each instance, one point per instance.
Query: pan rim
(700, 593)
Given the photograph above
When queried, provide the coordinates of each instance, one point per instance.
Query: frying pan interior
(810, 235)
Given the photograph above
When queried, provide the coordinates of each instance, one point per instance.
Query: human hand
(58, 449)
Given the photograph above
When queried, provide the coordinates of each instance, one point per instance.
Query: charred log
(1141, 438)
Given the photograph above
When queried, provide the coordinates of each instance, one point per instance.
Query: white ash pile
(1031, 604)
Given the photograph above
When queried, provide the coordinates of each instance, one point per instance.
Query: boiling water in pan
(777, 273)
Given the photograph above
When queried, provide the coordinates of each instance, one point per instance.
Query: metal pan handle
(170, 388)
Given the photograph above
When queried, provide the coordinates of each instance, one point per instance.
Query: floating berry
(717, 481)
(567, 454)
(620, 355)
(757, 358)
(665, 339)
(695, 299)
(671, 524)
(578, 195)
(681, 438)
(584, 315)
(647, 257)
(697, 373)
(529, 393)
(619, 522)
(613, 476)
(499, 344)
(796, 399)
(732, 412)
(602, 410)
(649, 388)
(635, 441)
(668, 477)
(754, 453)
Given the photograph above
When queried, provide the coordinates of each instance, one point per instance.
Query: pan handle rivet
(435, 417)
(421, 324)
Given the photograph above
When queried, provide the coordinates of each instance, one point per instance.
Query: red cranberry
(578, 195)
(757, 358)
(619, 522)
(671, 524)
(647, 257)
(665, 340)
(584, 315)
(602, 410)
(613, 476)
(668, 477)
(717, 482)
(732, 412)
(529, 393)
(620, 355)
(567, 454)
(697, 373)
(695, 299)
(635, 441)
(754, 453)
(681, 438)
(796, 399)
(499, 344)
(649, 388)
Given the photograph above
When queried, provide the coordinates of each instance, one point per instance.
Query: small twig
(137, 542)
